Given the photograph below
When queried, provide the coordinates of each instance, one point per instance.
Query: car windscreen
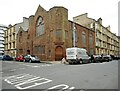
(7, 56)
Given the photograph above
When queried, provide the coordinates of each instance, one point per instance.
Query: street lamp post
(74, 34)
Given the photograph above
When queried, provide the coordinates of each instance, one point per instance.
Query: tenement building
(10, 36)
(10, 44)
(106, 41)
(50, 33)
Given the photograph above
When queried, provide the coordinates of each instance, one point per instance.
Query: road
(20, 75)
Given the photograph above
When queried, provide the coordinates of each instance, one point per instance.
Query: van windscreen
(82, 52)
(70, 53)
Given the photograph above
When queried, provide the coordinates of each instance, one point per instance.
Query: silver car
(31, 58)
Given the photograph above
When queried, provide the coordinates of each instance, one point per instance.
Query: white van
(77, 55)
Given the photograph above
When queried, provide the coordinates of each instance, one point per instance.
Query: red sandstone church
(50, 33)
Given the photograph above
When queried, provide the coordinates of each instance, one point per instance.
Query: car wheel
(24, 60)
(90, 61)
(30, 61)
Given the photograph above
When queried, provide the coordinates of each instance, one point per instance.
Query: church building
(50, 33)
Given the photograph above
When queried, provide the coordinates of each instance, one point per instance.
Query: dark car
(7, 57)
(106, 58)
(117, 57)
(96, 58)
(1, 57)
(31, 58)
(114, 57)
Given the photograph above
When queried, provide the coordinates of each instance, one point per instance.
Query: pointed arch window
(90, 39)
(20, 33)
(83, 38)
(40, 26)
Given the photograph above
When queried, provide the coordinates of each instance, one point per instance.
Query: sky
(13, 11)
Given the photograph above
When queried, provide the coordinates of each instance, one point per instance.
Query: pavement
(63, 61)
(51, 62)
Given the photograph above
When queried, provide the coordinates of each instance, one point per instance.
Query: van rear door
(70, 53)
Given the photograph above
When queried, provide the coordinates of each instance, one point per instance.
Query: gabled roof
(39, 8)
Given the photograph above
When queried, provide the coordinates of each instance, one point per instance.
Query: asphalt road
(20, 75)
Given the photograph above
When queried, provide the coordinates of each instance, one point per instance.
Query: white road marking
(34, 83)
(27, 65)
(1, 72)
(25, 81)
(15, 76)
(44, 65)
(21, 80)
(15, 79)
(13, 70)
(21, 68)
(36, 66)
(8, 61)
(62, 86)
(72, 88)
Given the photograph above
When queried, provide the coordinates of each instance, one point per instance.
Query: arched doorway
(58, 53)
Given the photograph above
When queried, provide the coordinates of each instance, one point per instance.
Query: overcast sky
(13, 11)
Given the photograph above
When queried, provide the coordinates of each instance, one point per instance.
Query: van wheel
(81, 62)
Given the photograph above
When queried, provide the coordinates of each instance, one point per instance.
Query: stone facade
(50, 33)
(106, 41)
(11, 36)
(10, 41)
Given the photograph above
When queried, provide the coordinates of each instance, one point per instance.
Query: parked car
(31, 58)
(17, 58)
(113, 57)
(106, 58)
(1, 56)
(20, 58)
(96, 58)
(117, 57)
(7, 57)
